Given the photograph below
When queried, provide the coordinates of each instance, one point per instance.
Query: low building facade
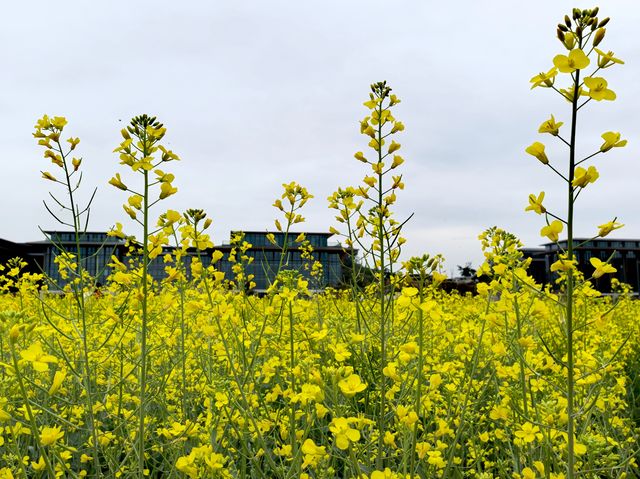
(269, 252)
(622, 254)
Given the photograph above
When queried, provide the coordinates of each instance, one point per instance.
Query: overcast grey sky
(258, 93)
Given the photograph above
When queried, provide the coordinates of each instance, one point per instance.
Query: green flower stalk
(295, 196)
(377, 225)
(580, 35)
(27, 404)
(49, 132)
(423, 272)
(139, 151)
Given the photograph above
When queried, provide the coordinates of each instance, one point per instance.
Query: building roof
(105, 238)
(607, 239)
(7, 243)
(292, 233)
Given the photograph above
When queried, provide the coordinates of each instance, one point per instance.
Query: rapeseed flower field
(193, 376)
(288, 384)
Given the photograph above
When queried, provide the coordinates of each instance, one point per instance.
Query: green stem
(521, 361)
(570, 281)
(79, 297)
(292, 365)
(143, 330)
(381, 285)
(32, 419)
(184, 351)
(418, 395)
(355, 464)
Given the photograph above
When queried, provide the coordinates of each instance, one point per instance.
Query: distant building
(267, 257)
(97, 248)
(624, 254)
(9, 249)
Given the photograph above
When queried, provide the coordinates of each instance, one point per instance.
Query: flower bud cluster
(377, 221)
(580, 34)
(139, 150)
(48, 132)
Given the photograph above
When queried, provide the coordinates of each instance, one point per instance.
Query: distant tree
(364, 275)
(466, 271)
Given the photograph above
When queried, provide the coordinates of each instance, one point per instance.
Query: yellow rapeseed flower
(583, 177)
(606, 228)
(58, 122)
(343, 432)
(386, 474)
(360, 157)
(544, 79)
(397, 161)
(312, 453)
(528, 432)
(167, 190)
(608, 59)
(550, 126)
(117, 182)
(563, 264)
(351, 385)
(58, 378)
(48, 176)
(552, 230)
(50, 435)
(135, 201)
(40, 465)
(37, 357)
(612, 140)
(535, 203)
(537, 149)
(186, 465)
(601, 267)
(598, 89)
(576, 60)
(436, 459)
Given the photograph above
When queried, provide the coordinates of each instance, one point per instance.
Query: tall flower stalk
(376, 232)
(580, 34)
(71, 264)
(139, 151)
